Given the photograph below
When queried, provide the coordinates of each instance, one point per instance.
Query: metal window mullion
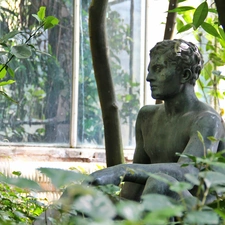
(75, 75)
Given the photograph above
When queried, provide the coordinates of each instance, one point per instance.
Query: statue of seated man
(162, 130)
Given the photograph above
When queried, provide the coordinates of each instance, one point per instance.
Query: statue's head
(184, 54)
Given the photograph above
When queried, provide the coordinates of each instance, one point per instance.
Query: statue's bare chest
(163, 138)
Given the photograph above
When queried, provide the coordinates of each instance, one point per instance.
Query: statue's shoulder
(206, 115)
(150, 108)
(148, 112)
(204, 109)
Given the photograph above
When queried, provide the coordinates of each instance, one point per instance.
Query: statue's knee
(156, 186)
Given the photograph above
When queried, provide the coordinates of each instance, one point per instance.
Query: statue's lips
(153, 86)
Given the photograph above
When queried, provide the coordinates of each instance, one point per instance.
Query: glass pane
(43, 83)
(126, 43)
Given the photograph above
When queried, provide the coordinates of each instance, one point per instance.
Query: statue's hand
(110, 175)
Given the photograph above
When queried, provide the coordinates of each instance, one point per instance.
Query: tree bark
(170, 21)
(220, 5)
(113, 140)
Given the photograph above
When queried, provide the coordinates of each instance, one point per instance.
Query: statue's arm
(207, 124)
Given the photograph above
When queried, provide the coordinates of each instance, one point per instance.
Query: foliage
(203, 20)
(17, 206)
(84, 204)
(22, 51)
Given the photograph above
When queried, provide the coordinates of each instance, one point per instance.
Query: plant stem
(29, 38)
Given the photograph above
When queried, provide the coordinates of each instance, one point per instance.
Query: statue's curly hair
(185, 55)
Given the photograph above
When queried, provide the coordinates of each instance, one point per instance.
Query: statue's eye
(157, 68)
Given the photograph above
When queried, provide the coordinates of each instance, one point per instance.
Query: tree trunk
(113, 140)
(220, 5)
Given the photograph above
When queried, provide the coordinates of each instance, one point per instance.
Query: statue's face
(163, 77)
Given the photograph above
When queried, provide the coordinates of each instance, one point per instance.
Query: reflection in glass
(125, 40)
(43, 82)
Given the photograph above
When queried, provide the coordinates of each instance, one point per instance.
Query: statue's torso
(163, 137)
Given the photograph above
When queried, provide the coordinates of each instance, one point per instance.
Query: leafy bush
(17, 206)
(84, 204)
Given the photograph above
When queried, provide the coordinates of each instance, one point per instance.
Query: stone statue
(166, 129)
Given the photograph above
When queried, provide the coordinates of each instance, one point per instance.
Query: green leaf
(21, 183)
(222, 33)
(61, 177)
(200, 14)
(185, 28)
(212, 178)
(3, 71)
(155, 202)
(17, 173)
(36, 17)
(210, 29)
(192, 179)
(41, 13)
(212, 139)
(44, 53)
(88, 201)
(9, 98)
(179, 187)
(50, 22)
(201, 217)
(130, 210)
(213, 10)
(11, 72)
(163, 216)
(200, 137)
(21, 51)
(3, 83)
(180, 24)
(182, 9)
(10, 35)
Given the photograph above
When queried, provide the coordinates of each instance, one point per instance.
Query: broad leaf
(88, 201)
(185, 28)
(200, 137)
(163, 216)
(21, 182)
(3, 71)
(212, 179)
(61, 177)
(200, 14)
(21, 51)
(222, 33)
(211, 138)
(11, 72)
(44, 53)
(180, 24)
(179, 187)
(202, 217)
(50, 22)
(41, 13)
(182, 9)
(210, 29)
(36, 17)
(9, 98)
(155, 202)
(10, 35)
(130, 210)
(3, 83)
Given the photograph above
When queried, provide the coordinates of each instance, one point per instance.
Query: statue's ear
(186, 76)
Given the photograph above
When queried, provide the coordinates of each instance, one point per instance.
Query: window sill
(57, 154)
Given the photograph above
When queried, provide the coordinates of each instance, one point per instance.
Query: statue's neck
(182, 103)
